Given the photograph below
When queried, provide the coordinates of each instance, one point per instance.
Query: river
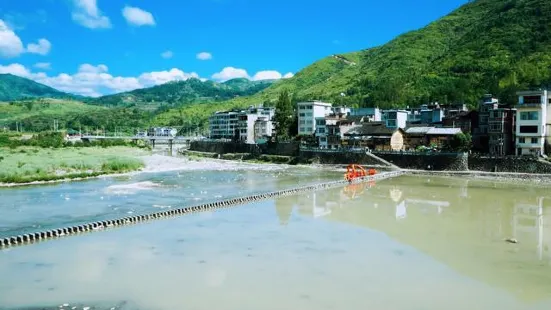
(403, 243)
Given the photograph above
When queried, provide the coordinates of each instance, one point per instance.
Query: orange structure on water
(354, 171)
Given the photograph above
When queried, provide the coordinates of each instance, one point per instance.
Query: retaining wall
(427, 161)
(339, 158)
(218, 147)
(509, 164)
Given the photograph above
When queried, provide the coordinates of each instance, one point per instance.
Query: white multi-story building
(263, 128)
(533, 122)
(395, 118)
(242, 123)
(307, 114)
(247, 121)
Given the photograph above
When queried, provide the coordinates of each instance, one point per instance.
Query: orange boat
(354, 171)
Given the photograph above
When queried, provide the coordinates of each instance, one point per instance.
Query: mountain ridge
(13, 87)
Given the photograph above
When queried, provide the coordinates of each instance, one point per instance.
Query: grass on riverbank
(29, 164)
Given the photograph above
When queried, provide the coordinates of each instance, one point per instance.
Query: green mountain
(485, 46)
(179, 93)
(15, 88)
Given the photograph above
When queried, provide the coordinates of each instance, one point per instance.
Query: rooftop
(371, 129)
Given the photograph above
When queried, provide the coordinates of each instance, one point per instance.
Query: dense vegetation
(15, 88)
(180, 93)
(485, 46)
(39, 115)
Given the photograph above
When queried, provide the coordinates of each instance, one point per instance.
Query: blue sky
(95, 47)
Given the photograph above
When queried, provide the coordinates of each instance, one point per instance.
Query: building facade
(395, 118)
(241, 124)
(533, 120)
(307, 114)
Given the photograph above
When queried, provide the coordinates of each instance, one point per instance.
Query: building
(247, 120)
(425, 114)
(501, 131)
(341, 110)
(428, 136)
(533, 120)
(373, 114)
(495, 131)
(263, 129)
(464, 120)
(307, 114)
(376, 136)
(241, 124)
(330, 130)
(395, 118)
(223, 125)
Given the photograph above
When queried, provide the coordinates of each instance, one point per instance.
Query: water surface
(403, 243)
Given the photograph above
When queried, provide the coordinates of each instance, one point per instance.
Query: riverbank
(34, 165)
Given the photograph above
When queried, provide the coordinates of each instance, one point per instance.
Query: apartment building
(307, 114)
(533, 121)
(242, 124)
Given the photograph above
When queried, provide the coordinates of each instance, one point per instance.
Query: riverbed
(412, 242)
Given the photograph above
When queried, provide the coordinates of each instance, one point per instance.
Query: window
(301, 114)
(309, 129)
(534, 140)
(529, 116)
(302, 129)
(309, 107)
(302, 122)
(308, 122)
(528, 129)
(391, 123)
(301, 107)
(532, 99)
(321, 130)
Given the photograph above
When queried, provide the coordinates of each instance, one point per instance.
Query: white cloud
(12, 46)
(204, 56)
(167, 54)
(137, 17)
(161, 77)
(43, 65)
(267, 75)
(94, 80)
(288, 75)
(10, 43)
(87, 14)
(229, 73)
(42, 47)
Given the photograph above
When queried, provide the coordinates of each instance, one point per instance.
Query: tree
(458, 143)
(283, 116)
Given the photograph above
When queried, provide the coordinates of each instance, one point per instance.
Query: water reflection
(462, 223)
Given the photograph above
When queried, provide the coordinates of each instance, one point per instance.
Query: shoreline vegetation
(32, 165)
(47, 157)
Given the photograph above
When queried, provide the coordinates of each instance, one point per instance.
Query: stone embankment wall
(405, 160)
(280, 149)
(427, 161)
(509, 164)
(338, 158)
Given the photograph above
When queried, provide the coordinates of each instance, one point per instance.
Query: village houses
(497, 129)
